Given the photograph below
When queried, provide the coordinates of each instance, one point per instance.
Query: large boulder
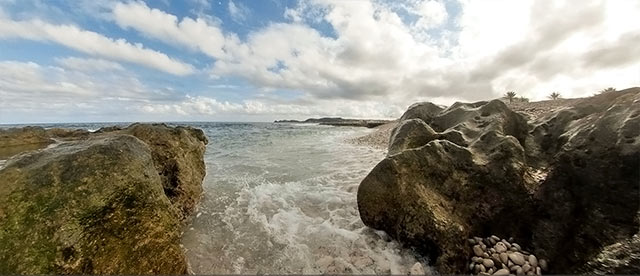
(565, 185)
(100, 205)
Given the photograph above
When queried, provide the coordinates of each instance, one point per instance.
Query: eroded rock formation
(565, 184)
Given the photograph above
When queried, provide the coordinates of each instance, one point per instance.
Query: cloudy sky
(233, 60)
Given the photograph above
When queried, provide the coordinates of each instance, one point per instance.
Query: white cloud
(89, 64)
(196, 34)
(432, 13)
(238, 11)
(92, 43)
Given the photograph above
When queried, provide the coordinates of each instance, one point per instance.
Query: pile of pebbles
(495, 256)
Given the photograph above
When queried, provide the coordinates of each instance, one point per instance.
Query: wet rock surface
(564, 184)
(97, 203)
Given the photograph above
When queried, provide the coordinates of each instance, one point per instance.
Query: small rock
(504, 258)
(510, 239)
(488, 263)
(492, 250)
(476, 259)
(519, 271)
(416, 269)
(514, 268)
(525, 252)
(472, 241)
(495, 238)
(506, 243)
(484, 274)
(482, 268)
(514, 249)
(478, 239)
(510, 263)
(477, 250)
(533, 260)
(501, 272)
(483, 246)
(490, 271)
(500, 247)
(517, 258)
(496, 258)
(530, 273)
(517, 246)
(488, 241)
(471, 266)
(485, 255)
(538, 272)
(543, 264)
(526, 267)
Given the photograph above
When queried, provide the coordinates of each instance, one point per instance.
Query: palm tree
(510, 95)
(607, 90)
(554, 96)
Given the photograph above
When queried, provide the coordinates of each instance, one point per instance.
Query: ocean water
(281, 198)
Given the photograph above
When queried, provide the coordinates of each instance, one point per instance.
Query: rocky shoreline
(337, 121)
(560, 177)
(109, 202)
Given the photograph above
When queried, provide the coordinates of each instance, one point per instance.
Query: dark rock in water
(99, 205)
(435, 196)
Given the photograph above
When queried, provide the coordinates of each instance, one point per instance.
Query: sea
(280, 198)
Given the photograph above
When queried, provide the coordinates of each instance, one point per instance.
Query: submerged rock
(99, 205)
(565, 184)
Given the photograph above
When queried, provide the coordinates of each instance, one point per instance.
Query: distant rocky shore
(561, 178)
(337, 121)
(109, 202)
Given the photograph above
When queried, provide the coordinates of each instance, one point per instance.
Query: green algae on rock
(94, 206)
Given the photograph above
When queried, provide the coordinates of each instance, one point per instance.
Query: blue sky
(201, 60)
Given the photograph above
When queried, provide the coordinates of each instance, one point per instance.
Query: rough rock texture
(99, 205)
(177, 154)
(23, 136)
(565, 184)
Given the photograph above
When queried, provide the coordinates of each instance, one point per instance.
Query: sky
(261, 60)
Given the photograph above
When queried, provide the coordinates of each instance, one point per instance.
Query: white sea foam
(289, 207)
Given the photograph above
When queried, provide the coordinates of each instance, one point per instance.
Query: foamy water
(282, 199)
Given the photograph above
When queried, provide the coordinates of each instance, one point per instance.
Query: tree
(607, 90)
(554, 96)
(524, 99)
(510, 95)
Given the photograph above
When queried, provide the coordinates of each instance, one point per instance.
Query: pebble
(500, 247)
(471, 266)
(476, 259)
(490, 271)
(482, 268)
(517, 246)
(538, 272)
(506, 243)
(514, 268)
(509, 263)
(519, 271)
(533, 260)
(495, 238)
(502, 272)
(543, 264)
(416, 269)
(504, 258)
(488, 263)
(516, 258)
(477, 250)
(472, 241)
(530, 273)
(483, 246)
(526, 267)
(485, 255)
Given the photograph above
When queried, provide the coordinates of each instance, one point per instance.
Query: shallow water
(281, 198)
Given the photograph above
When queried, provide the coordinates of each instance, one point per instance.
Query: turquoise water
(281, 198)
